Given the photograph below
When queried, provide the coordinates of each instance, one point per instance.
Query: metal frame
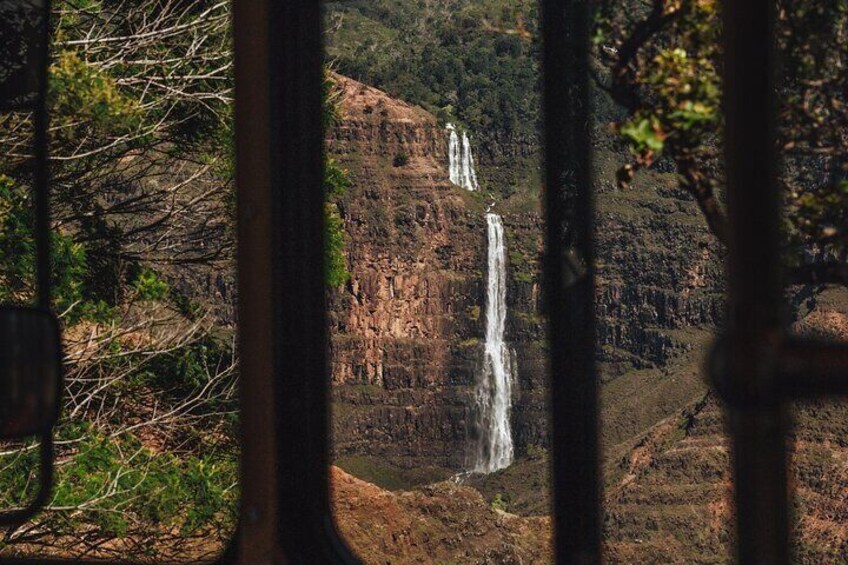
(569, 281)
(282, 331)
(279, 147)
(41, 198)
(756, 368)
(281, 285)
(757, 415)
(285, 512)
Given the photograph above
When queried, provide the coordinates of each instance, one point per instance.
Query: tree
(465, 61)
(142, 169)
(142, 173)
(662, 65)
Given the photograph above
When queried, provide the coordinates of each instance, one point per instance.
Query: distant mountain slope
(669, 497)
(406, 330)
(469, 62)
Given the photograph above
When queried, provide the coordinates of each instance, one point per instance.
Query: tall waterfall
(454, 155)
(460, 160)
(494, 386)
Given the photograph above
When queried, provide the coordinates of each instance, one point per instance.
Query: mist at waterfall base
(494, 450)
(460, 160)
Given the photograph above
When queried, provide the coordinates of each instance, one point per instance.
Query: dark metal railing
(569, 281)
(756, 368)
(31, 89)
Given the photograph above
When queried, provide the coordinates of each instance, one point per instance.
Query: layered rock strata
(407, 329)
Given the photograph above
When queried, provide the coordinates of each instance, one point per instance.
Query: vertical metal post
(41, 174)
(282, 324)
(258, 512)
(757, 412)
(41, 182)
(297, 240)
(569, 281)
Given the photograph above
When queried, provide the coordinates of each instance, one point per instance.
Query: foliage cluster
(142, 171)
(466, 61)
(119, 485)
(500, 502)
(158, 481)
(336, 183)
(400, 159)
(89, 96)
(663, 65)
(141, 167)
(17, 259)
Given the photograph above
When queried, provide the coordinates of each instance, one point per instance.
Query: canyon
(407, 347)
(407, 331)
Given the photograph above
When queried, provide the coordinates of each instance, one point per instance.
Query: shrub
(500, 503)
(126, 489)
(335, 265)
(148, 286)
(17, 255)
(400, 159)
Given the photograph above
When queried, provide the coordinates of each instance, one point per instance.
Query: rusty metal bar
(757, 412)
(569, 281)
(289, 315)
(258, 510)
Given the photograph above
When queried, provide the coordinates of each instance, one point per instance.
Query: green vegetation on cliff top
(466, 61)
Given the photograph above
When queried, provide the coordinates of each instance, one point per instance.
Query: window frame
(285, 513)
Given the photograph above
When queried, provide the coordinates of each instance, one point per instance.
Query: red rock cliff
(402, 376)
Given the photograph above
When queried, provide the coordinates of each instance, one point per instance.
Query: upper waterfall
(494, 386)
(460, 160)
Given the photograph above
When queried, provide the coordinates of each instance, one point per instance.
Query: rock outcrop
(401, 366)
(439, 523)
(407, 329)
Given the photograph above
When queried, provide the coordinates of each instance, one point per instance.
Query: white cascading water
(454, 156)
(469, 177)
(460, 160)
(494, 387)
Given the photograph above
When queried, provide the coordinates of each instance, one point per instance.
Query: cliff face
(403, 354)
(407, 330)
(659, 272)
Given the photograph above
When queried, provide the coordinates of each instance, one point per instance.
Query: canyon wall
(407, 329)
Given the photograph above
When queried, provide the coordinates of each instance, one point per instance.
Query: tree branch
(623, 88)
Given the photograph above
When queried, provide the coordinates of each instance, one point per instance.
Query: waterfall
(494, 386)
(460, 160)
(454, 156)
(469, 177)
